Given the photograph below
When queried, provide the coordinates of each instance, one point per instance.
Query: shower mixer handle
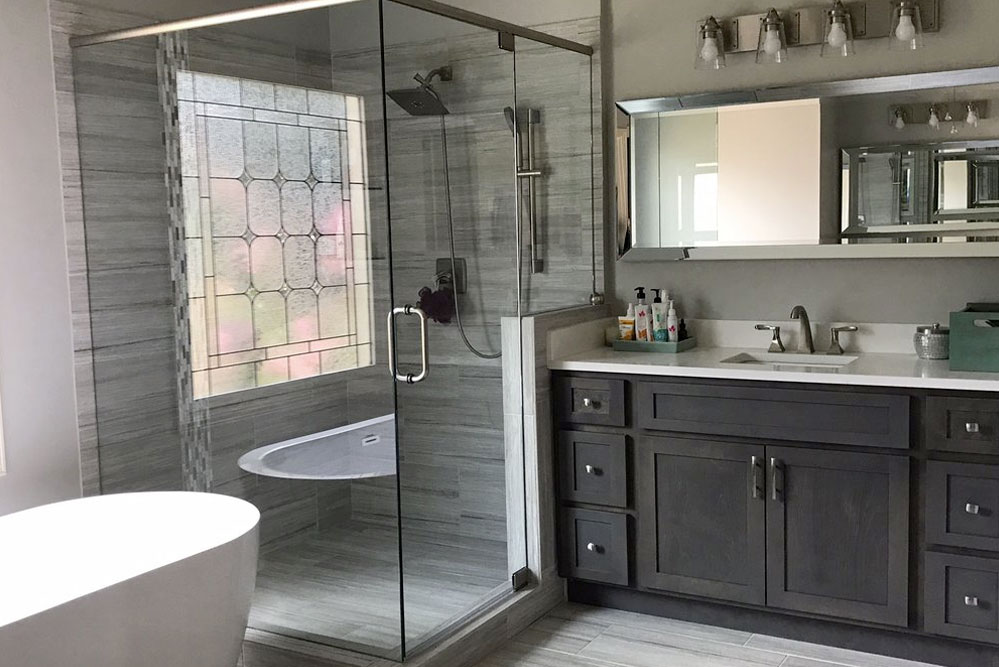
(409, 378)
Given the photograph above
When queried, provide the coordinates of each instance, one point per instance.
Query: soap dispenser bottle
(642, 319)
(658, 312)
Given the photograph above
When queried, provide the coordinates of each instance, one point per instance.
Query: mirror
(833, 169)
(944, 193)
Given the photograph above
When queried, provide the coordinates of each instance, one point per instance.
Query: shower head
(424, 101)
(511, 119)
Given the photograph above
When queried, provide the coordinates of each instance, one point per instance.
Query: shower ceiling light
(772, 46)
(710, 45)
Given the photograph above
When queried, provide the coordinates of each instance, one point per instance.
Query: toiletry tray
(662, 348)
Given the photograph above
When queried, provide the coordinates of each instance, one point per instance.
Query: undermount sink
(784, 360)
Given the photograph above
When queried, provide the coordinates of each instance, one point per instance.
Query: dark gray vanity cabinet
(837, 534)
(773, 506)
(702, 519)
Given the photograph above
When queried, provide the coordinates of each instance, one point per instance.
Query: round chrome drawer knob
(595, 548)
(973, 427)
(591, 470)
(972, 508)
(970, 601)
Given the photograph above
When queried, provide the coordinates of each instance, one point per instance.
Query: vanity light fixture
(934, 120)
(839, 32)
(772, 46)
(973, 116)
(899, 122)
(906, 26)
(710, 45)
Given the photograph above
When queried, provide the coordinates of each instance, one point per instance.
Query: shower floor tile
(340, 586)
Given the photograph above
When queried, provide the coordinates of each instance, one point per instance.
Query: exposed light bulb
(837, 36)
(906, 30)
(899, 121)
(972, 118)
(710, 51)
(772, 45)
(934, 119)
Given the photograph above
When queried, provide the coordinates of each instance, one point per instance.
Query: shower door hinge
(507, 42)
(521, 578)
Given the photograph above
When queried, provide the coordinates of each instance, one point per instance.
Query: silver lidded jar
(932, 342)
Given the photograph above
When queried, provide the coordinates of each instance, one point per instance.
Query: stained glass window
(276, 232)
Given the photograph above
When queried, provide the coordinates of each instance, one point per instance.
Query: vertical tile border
(196, 464)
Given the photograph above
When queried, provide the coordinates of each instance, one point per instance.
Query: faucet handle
(834, 332)
(776, 345)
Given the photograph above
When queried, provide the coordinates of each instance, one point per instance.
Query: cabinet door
(837, 534)
(702, 523)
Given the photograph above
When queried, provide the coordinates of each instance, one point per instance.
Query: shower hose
(450, 236)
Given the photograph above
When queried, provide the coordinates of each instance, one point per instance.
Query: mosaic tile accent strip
(276, 231)
(196, 465)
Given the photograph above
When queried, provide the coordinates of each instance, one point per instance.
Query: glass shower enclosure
(312, 231)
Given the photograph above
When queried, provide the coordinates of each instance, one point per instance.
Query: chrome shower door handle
(409, 378)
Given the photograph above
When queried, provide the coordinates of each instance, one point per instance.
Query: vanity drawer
(962, 594)
(962, 505)
(594, 546)
(962, 424)
(865, 420)
(591, 401)
(593, 468)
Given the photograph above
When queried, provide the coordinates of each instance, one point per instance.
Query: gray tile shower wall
(121, 277)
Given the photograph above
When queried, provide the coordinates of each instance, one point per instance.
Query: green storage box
(974, 338)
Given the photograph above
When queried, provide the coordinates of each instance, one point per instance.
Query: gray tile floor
(340, 586)
(579, 636)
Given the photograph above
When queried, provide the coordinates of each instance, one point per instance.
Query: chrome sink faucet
(805, 344)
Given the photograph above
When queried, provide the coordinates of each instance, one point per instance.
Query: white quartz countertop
(875, 369)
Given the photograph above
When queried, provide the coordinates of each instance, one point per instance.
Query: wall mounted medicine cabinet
(898, 166)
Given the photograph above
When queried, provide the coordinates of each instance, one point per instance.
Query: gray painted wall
(36, 363)
(653, 55)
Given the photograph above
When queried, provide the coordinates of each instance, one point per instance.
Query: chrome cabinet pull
(776, 484)
(972, 508)
(970, 601)
(595, 548)
(409, 378)
(590, 403)
(757, 472)
(591, 470)
(973, 427)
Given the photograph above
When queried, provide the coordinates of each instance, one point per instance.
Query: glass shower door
(559, 185)
(450, 97)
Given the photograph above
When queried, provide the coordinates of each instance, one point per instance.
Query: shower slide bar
(292, 6)
(531, 173)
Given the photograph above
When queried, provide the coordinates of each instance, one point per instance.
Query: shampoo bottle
(642, 320)
(659, 317)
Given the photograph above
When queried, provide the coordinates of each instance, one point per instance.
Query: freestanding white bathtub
(152, 579)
